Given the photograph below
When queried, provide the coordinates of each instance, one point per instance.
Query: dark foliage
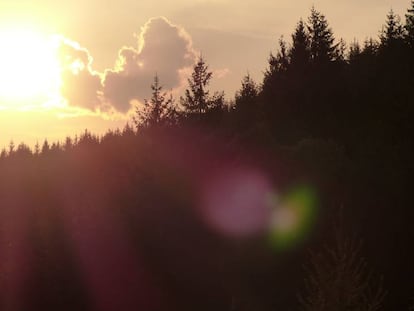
(114, 222)
(160, 110)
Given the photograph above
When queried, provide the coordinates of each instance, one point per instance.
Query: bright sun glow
(29, 67)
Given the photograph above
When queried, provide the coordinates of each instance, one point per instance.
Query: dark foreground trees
(339, 278)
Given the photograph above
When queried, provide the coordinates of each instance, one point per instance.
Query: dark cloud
(163, 49)
(80, 84)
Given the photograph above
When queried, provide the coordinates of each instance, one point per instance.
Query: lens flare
(292, 217)
(243, 204)
(234, 203)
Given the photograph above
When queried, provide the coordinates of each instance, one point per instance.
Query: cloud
(164, 49)
(81, 85)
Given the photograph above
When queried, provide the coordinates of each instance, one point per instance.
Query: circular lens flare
(292, 217)
(235, 203)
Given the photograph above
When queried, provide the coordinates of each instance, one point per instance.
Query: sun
(29, 67)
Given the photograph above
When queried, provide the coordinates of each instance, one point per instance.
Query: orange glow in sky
(58, 58)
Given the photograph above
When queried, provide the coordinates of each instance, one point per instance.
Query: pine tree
(23, 150)
(322, 47)
(45, 147)
(409, 25)
(197, 98)
(3, 153)
(68, 144)
(341, 51)
(338, 278)
(37, 149)
(278, 66)
(354, 51)
(300, 50)
(370, 48)
(247, 95)
(392, 31)
(279, 63)
(11, 147)
(159, 110)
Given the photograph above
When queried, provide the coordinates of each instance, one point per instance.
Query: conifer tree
(45, 147)
(392, 31)
(278, 66)
(37, 149)
(246, 96)
(300, 50)
(279, 63)
(3, 153)
(354, 51)
(341, 51)
(370, 47)
(159, 110)
(322, 45)
(338, 278)
(197, 97)
(11, 147)
(409, 25)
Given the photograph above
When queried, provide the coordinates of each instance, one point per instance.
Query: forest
(294, 195)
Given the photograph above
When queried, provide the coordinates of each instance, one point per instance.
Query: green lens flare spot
(293, 217)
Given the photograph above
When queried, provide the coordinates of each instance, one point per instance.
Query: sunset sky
(70, 65)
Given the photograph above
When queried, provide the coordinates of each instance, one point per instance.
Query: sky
(109, 51)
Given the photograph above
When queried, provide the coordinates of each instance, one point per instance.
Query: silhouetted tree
(275, 73)
(36, 149)
(245, 105)
(300, 50)
(409, 25)
(23, 150)
(3, 153)
(370, 48)
(45, 147)
(279, 63)
(88, 139)
(340, 55)
(354, 51)
(197, 99)
(322, 45)
(247, 95)
(11, 147)
(393, 31)
(68, 143)
(159, 110)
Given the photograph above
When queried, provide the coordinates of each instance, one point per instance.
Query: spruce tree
(322, 47)
(341, 51)
(159, 110)
(339, 279)
(247, 95)
(278, 66)
(354, 51)
(197, 98)
(300, 50)
(392, 31)
(409, 25)
(370, 48)
(279, 63)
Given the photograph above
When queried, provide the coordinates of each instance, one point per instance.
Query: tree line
(113, 222)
